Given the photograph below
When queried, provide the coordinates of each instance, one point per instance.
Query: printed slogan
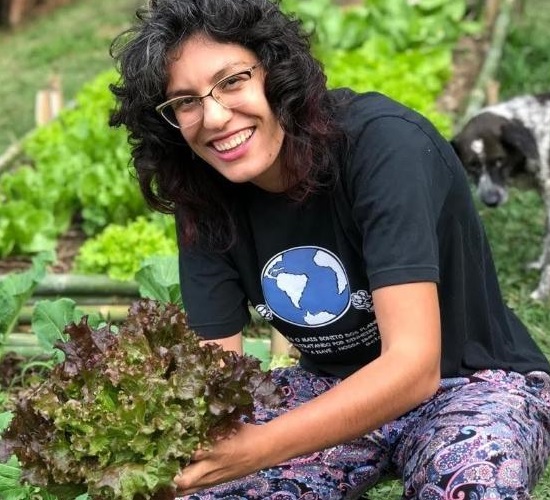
(338, 343)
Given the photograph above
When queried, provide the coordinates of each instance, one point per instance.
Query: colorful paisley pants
(482, 437)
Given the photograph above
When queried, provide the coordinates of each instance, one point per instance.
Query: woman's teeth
(232, 143)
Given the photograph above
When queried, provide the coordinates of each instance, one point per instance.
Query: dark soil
(66, 250)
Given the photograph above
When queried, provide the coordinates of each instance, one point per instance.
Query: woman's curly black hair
(171, 178)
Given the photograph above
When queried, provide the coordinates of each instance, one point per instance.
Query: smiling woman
(347, 222)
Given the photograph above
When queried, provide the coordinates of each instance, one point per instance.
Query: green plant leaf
(10, 481)
(158, 279)
(119, 250)
(49, 320)
(5, 419)
(17, 288)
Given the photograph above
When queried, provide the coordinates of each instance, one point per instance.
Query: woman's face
(243, 143)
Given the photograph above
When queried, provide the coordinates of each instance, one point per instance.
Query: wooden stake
(492, 8)
(478, 95)
(49, 101)
(16, 12)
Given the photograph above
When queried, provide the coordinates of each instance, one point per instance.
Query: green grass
(525, 64)
(515, 232)
(72, 42)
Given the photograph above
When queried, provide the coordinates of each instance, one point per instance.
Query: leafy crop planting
(124, 411)
(119, 250)
(16, 289)
(65, 162)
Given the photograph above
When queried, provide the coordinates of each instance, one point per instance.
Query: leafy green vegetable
(5, 419)
(119, 250)
(158, 279)
(16, 288)
(123, 412)
(415, 77)
(10, 486)
(64, 163)
(400, 48)
(49, 319)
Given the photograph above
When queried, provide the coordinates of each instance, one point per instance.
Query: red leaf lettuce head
(125, 411)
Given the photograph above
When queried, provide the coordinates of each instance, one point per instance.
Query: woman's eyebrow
(226, 70)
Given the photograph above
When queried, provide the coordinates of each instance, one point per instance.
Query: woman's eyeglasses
(230, 92)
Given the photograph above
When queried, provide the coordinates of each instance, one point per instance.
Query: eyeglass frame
(161, 107)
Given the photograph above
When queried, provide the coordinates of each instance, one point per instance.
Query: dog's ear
(455, 142)
(514, 134)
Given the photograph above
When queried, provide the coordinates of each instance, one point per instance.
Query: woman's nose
(215, 116)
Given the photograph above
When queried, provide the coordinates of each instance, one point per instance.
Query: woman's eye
(184, 103)
(234, 81)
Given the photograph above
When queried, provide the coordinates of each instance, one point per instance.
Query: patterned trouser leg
(336, 473)
(481, 437)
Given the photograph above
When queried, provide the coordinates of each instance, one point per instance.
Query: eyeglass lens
(230, 92)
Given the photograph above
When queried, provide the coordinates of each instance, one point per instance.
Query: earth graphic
(306, 286)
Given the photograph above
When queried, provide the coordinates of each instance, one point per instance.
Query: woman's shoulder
(361, 106)
(358, 110)
(373, 119)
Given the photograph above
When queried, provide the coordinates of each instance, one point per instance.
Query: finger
(185, 486)
(181, 481)
(189, 475)
(199, 454)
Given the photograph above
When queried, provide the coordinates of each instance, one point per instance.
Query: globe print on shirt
(305, 286)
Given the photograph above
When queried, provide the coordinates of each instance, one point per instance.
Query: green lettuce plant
(76, 165)
(119, 249)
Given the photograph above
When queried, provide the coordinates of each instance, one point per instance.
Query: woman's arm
(406, 373)
(233, 343)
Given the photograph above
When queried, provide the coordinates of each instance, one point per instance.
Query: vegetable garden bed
(85, 226)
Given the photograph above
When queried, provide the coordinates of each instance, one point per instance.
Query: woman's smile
(233, 141)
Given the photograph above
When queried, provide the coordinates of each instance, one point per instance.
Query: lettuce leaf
(124, 411)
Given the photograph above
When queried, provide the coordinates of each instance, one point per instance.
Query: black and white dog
(506, 140)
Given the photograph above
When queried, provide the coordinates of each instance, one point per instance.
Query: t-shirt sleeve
(213, 299)
(399, 181)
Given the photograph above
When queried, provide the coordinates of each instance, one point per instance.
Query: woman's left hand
(229, 458)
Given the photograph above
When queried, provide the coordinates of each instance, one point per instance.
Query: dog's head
(493, 149)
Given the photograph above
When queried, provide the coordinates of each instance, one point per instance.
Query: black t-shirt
(400, 212)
